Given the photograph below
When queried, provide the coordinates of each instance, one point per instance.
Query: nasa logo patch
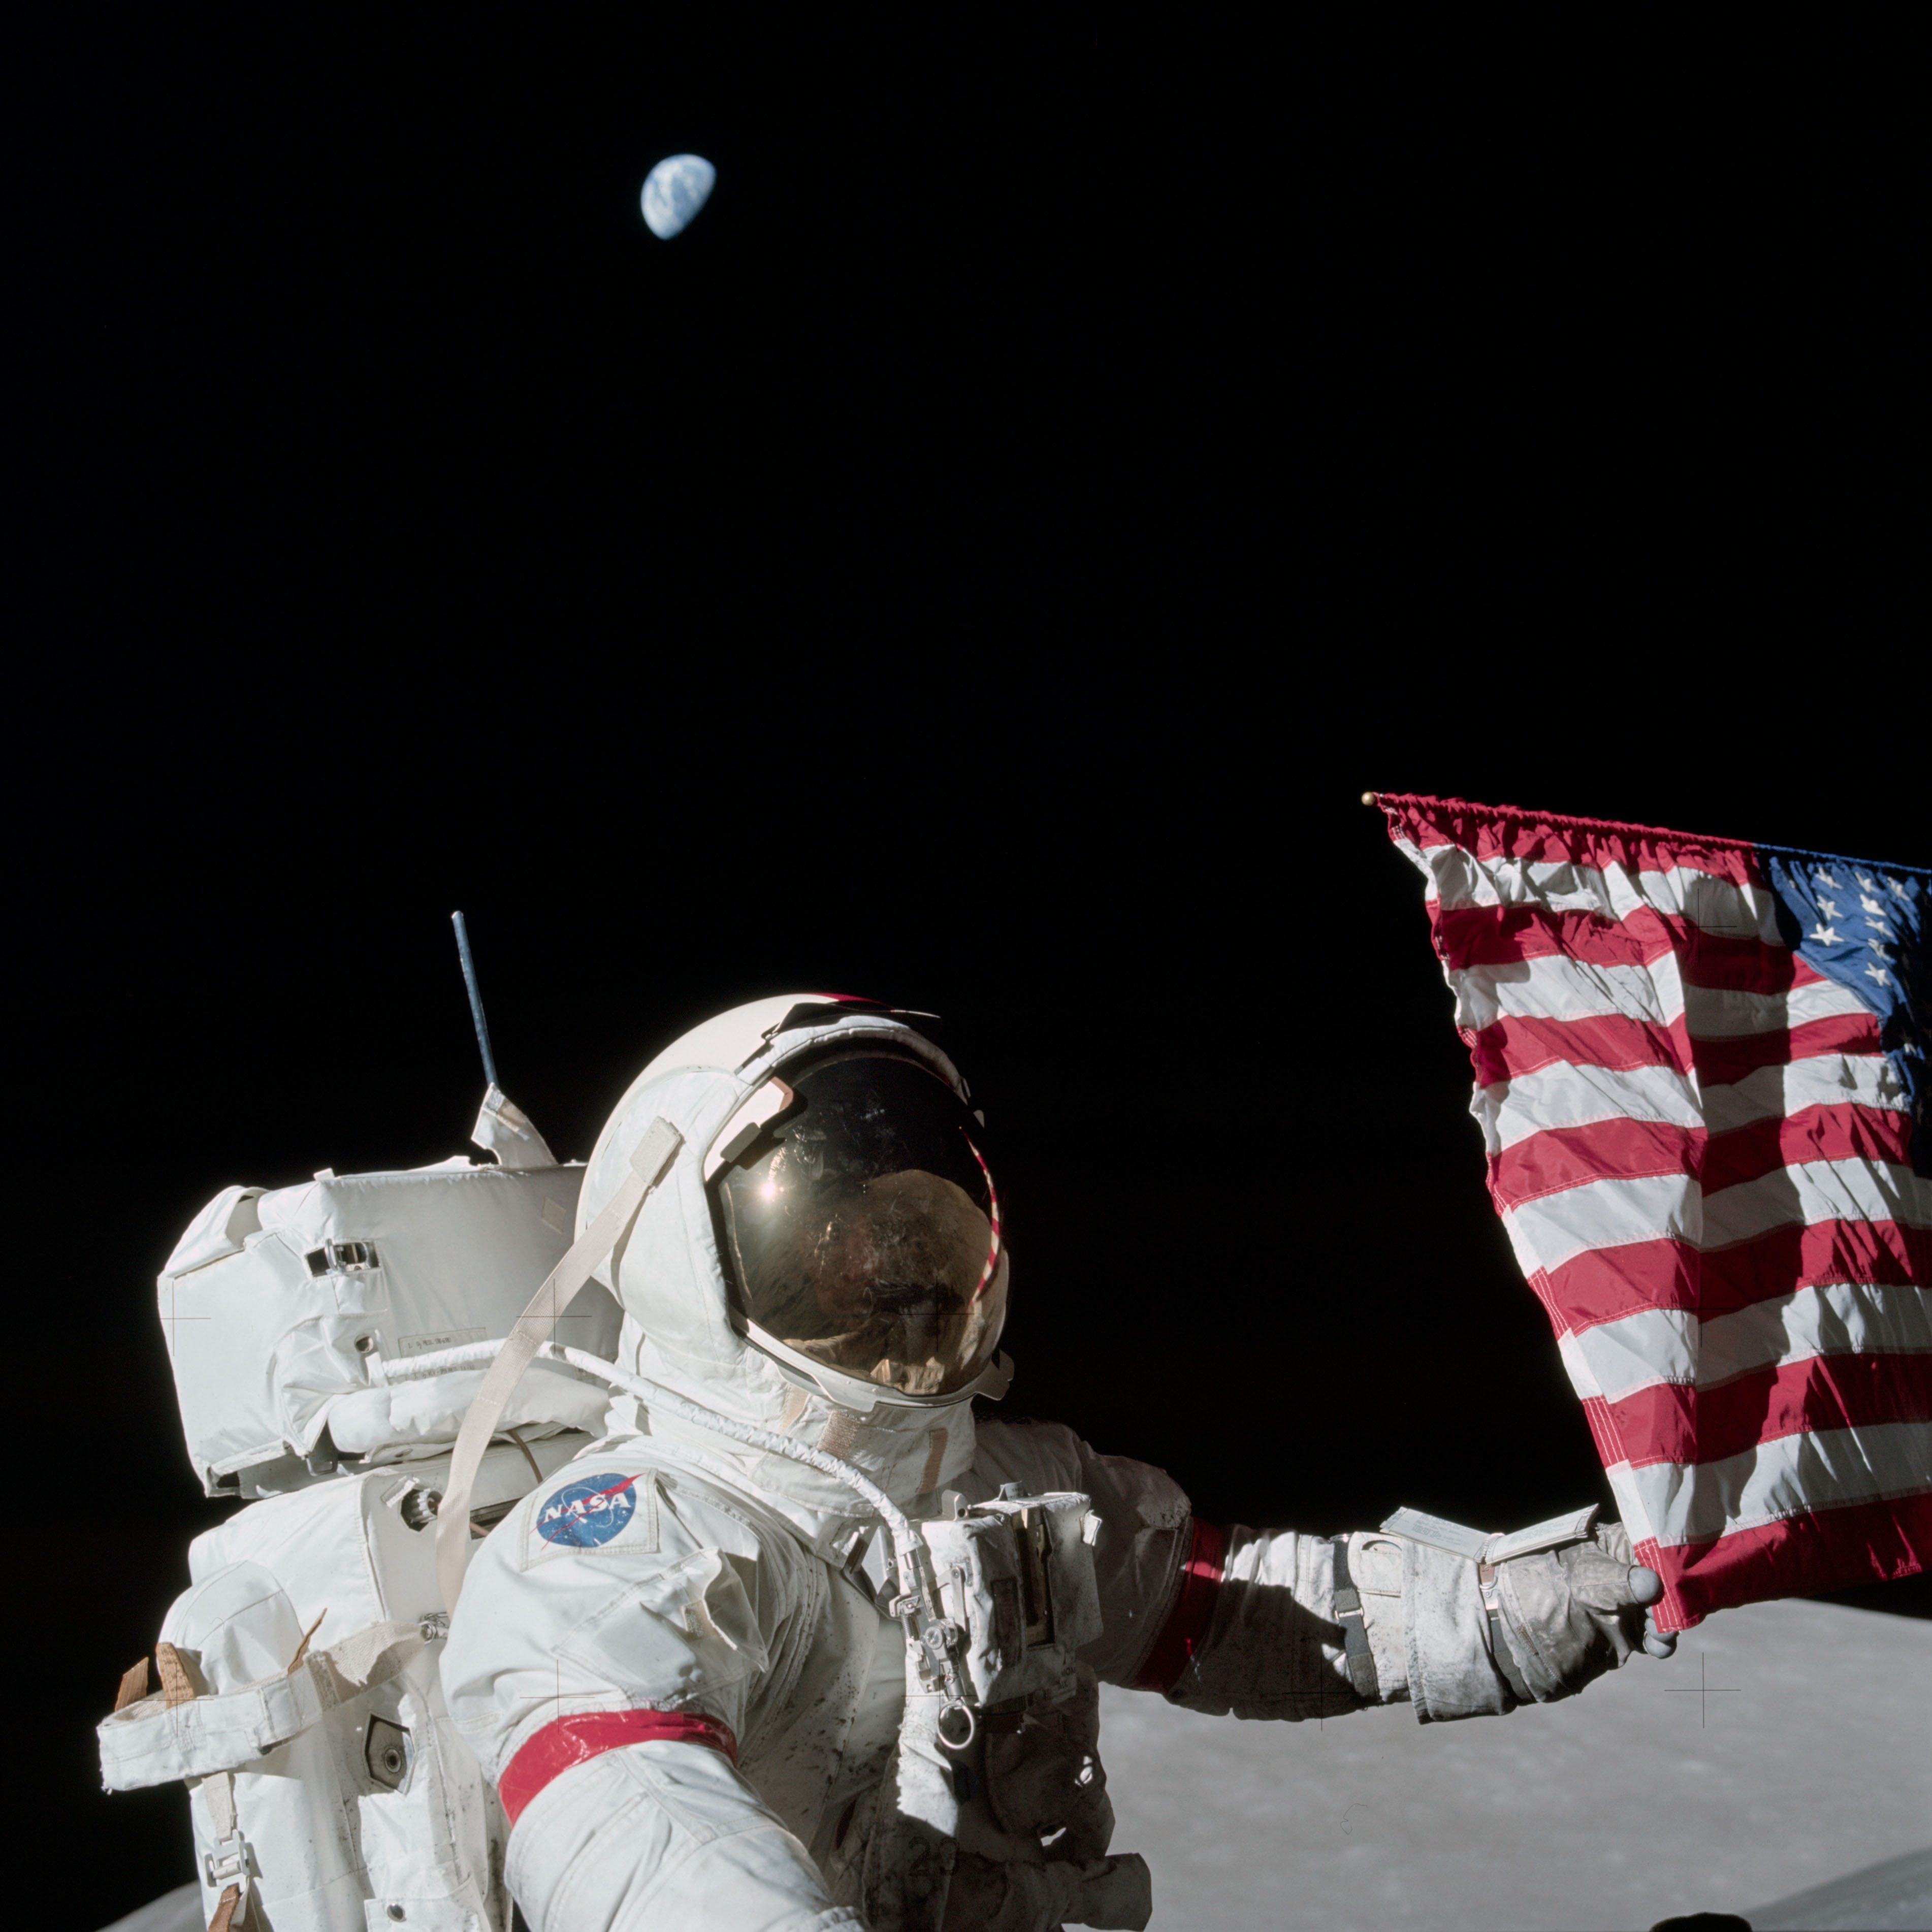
(587, 1513)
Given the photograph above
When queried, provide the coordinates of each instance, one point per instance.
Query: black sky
(979, 565)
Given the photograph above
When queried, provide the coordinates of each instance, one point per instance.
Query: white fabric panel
(1562, 1096)
(1556, 988)
(1793, 1474)
(1631, 1501)
(666, 1834)
(152, 1742)
(220, 1228)
(246, 1628)
(1457, 878)
(1838, 1319)
(1820, 1080)
(1713, 1013)
(1615, 1359)
(147, 1744)
(1816, 1190)
(812, 1681)
(1556, 1228)
(432, 1410)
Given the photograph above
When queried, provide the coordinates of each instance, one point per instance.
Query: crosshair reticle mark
(171, 1318)
(1702, 1691)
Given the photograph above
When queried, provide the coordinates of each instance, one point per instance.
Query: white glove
(1568, 1614)
(1492, 1621)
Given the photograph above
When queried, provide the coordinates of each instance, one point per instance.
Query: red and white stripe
(1700, 1154)
(993, 1215)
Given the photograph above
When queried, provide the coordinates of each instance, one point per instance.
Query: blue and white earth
(674, 191)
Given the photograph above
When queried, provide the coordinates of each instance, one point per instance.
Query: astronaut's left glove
(1492, 1621)
(1560, 1618)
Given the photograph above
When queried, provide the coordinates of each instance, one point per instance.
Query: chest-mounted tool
(1014, 1581)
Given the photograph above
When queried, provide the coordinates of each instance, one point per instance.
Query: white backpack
(299, 1697)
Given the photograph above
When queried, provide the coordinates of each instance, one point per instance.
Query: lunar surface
(1781, 1752)
(674, 191)
(1776, 1767)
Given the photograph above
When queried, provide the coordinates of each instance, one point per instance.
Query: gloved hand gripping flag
(1701, 1077)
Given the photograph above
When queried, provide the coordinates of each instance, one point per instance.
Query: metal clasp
(232, 1862)
(947, 1709)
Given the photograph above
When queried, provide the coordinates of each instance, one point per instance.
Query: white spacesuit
(698, 1709)
(299, 1696)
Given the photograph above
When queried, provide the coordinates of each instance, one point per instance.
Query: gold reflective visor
(862, 1230)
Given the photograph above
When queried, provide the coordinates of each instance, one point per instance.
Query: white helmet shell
(680, 1328)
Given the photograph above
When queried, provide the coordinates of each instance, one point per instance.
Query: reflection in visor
(867, 1236)
(992, 1215)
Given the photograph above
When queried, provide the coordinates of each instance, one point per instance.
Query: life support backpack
(298, 1693)
(282, 1307)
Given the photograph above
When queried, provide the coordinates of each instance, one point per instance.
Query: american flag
(1701, 1077)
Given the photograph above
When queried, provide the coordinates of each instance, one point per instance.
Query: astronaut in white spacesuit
(698, 1708)
(307, 1328)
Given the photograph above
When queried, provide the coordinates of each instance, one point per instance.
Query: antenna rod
(475, 998)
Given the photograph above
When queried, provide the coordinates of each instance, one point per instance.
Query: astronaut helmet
(860, 1229)
(832, 1211)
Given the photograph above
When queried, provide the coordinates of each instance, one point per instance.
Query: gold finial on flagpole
(1369, 798)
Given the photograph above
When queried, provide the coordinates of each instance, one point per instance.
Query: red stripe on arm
(572, 1741)
(1187, 1622)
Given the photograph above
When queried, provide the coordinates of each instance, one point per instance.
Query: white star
(1878, 973)
(1864, 882)
(1825, 878)
(1829, 907)
(1881, 952)
(1879, 926)
(1897, 887)
(1867, 904)
(1825, 935)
